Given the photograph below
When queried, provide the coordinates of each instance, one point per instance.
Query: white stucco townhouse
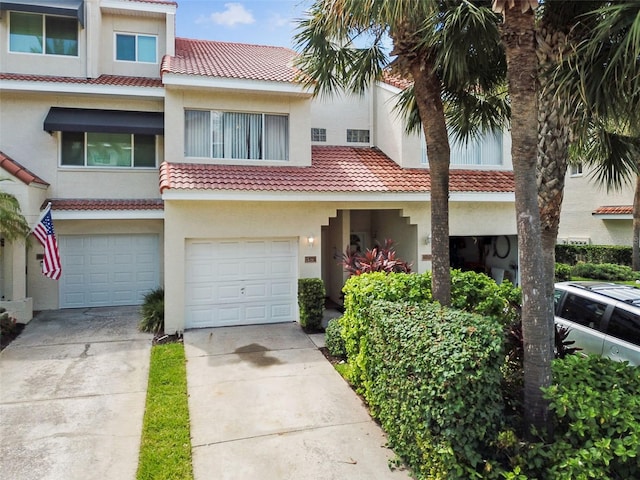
(205, 168)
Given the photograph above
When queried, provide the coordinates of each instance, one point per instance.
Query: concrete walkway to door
(266, 404)
(72, 396)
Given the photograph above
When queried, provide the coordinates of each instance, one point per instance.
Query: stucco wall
(405, 150)
(47, 290)
(112, 24)
(177, 100)
(581, 197)
(337, 113)
(482, 218)
(24, 139)
(40, 64)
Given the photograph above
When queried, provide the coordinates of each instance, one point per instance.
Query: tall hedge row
(572, 254)
(470, 291)
(435, 385)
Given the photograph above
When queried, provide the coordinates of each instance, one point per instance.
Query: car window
(557, 296)
(625, 326)
(583, 310)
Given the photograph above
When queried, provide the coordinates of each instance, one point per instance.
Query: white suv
(603, 318)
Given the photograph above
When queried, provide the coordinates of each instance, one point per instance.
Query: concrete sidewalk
(266, 404)
(72, 396)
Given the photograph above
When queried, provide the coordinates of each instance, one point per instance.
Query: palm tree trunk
(636, 227)
(554, 136)
(427, 95)
(518, 37)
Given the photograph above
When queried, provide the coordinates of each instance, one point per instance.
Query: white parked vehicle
(603, 318)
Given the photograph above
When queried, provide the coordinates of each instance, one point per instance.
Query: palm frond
(13, 225)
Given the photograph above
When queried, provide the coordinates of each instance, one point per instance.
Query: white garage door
(106, 270)
(240, 282)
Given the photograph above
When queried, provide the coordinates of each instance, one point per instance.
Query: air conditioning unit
(579, 241)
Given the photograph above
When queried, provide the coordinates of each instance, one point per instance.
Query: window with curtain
(95, 149)
(485, 150)
(43, 34)
(237, 135)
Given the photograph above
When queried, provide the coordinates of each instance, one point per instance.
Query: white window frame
(318, 134)
(576, 169)
(359, 133)
(115, 167)
(136, 36)
(43, 17)
(455, 145)
(262, 146)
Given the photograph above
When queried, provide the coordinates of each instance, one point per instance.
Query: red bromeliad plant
(381, 258)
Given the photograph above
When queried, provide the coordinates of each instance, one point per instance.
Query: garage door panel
(103, 270)
(248, 281)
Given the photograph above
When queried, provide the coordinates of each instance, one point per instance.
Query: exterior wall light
(311, 240)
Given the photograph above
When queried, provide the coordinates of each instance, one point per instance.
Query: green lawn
(165, 450)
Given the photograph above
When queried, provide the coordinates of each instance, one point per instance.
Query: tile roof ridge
(19, 171)
(240, 44)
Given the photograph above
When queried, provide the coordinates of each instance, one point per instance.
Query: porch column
(15, 283)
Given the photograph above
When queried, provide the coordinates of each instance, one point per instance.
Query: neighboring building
(591, 215)
(206, 168)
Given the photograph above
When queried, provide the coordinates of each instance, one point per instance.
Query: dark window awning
(105, 121)
(65, 8)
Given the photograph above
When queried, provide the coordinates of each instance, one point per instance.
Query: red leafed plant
(381, 258)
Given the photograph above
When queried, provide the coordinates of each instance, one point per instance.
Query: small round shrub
(333, 338)
(563, 272)
(152, 312)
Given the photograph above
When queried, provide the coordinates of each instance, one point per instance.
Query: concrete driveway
(266, 404)
(72, 396)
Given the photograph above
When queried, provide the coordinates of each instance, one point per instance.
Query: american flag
(43, 231)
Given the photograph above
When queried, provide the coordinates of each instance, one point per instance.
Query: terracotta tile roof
(333, 169)
(20, 172)
(396, 80)
(614, 210)
(108, 80)
(231, 60)
(159, 2)
(85, 204)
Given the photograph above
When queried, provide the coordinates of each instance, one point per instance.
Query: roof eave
(79, 89)
(235, 84)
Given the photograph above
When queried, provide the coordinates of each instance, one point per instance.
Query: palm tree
(330, 62)
(519, 38)
(13, 225)
(603, 76)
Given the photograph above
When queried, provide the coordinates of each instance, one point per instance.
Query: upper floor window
(253, 136)
(318, 134)
(575, 169)
(485, 150)
(136, 48)
(98, 149)
(43, 34)
(358, 136)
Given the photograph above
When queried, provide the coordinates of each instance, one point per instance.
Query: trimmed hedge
(604, 271)
(572, 254)
(435, 385)
(311, 293)
(563, 272)
(333, 338)
(470, 291)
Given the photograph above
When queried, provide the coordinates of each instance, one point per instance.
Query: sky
(262, 22)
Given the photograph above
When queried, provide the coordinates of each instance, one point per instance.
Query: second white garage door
(107, 270)
(240, 281)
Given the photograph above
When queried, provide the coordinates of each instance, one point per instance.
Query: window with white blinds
(237, 135)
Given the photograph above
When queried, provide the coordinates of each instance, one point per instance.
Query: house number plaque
(309, 259)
